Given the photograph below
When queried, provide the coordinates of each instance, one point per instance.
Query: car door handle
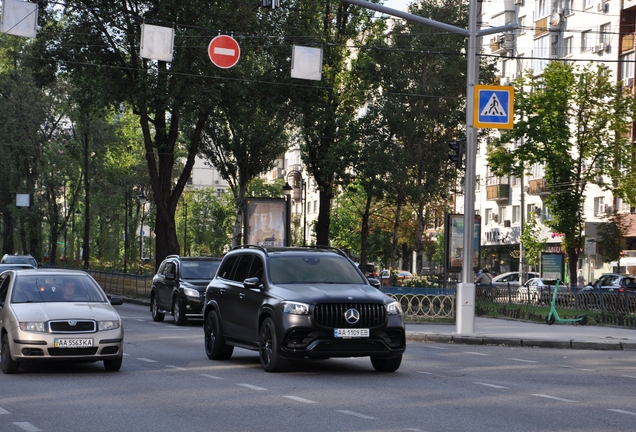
(222, 291)
(241, 295)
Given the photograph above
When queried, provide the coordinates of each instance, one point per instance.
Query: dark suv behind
(179, 287)
(291, 303)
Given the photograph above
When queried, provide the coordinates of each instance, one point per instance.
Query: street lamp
(142, 200)
(300, 183)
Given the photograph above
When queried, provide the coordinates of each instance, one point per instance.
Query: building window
(530, 211)
(569, 7)
(599, 206)
(488, 216)
(219, 193)
(585, 40)
(541, 54)
(543, 8)
(604, 33)
(516, 214)
(567, 45)
(522, 24)
(315, 206)
(503, 214)
(627, 65)
(477, 182)
(588, 4)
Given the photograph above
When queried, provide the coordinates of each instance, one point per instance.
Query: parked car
(4, 267)
(291, 303)
(179, 287)
(371, 270)
(612, 282)
(510, 279)
(385, 276)
(537, 290)
(57, 315)
(19, 259)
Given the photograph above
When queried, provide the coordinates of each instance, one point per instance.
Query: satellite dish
(555, 19)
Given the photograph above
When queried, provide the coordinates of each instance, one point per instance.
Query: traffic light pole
(465, 297)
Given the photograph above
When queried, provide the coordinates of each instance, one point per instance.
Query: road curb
(518, 342)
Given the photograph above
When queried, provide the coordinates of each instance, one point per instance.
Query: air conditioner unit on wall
(628, 82)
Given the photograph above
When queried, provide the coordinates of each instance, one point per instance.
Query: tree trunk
(364, 233)
(396, 227)
(324, 217)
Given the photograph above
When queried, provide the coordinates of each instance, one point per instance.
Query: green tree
(575, 122)
(533, 243)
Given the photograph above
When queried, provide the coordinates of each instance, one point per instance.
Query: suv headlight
(295, 308)
(191, 292)
(107, 325)
(394, 308)
(33, 326)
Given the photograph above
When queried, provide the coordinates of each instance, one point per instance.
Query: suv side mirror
(171, 276)
(374, 282)
(252, 282)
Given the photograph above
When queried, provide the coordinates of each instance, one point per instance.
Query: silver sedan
(57, 315)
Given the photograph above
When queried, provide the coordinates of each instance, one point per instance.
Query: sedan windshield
(313, 269)
(56, 288)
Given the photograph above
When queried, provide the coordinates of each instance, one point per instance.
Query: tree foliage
(574, 121)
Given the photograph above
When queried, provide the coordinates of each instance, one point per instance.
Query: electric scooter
(553, 316)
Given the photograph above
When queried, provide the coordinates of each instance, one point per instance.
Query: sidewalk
(492, 331)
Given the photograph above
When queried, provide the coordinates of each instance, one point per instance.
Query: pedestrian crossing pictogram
(494, 106)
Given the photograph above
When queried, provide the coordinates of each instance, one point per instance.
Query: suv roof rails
(265, 250)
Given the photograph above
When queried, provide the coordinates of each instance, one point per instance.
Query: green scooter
(553, 316)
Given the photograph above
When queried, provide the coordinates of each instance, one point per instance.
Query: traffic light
(457, 154)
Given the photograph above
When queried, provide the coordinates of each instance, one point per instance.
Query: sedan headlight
(191, 292)
(34, 326)
(394, 308)
(296, 308)
(107, 325)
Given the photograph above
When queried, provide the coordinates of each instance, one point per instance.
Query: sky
(397, 4)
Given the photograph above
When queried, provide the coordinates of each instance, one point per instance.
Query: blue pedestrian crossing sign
(494, 107)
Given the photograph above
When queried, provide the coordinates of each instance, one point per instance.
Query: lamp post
(300, 183)
(142, 200)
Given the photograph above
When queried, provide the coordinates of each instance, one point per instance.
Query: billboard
(264, 223)
(454, 239)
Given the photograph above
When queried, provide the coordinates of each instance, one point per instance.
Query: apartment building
(577, 30)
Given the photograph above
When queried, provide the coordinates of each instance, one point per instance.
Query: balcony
(627, 42)
(538, 187)
(498, 192)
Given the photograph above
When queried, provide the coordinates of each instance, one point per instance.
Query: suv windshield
(313, 269)
(199, 269)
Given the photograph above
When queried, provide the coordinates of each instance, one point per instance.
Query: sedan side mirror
(116, 301)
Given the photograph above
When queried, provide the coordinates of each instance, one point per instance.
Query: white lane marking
(623, 411)
(253, 387)
(126, 354)
(175, 367)
(355, 414)
(212, 376)
(425, 373)
(586, 370)
(522, 360)
(629, 376)
(146, 360)
(140, 320)
(434, 347)
(475, 353)
(299, 399)
(3, 411)
(26, 426)
(491, 385)
(554, 398)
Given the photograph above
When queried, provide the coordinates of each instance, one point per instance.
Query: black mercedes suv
(291, 303)
(179, 287)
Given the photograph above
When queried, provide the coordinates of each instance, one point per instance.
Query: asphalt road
(168, 384)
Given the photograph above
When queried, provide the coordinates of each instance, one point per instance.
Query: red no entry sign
(224, 51)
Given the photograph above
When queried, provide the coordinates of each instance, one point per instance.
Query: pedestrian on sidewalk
(580, 280)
